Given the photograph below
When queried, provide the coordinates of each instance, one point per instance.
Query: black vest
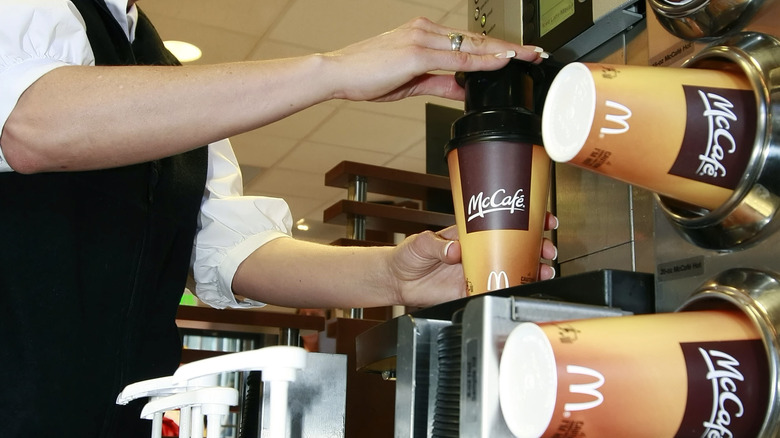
(92, 268)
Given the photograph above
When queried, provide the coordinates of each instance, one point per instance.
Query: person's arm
(244, 256)
(423, 270)
(99, 117)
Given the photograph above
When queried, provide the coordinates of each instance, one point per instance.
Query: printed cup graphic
(688, 374)
(500, 190)
(683, 133)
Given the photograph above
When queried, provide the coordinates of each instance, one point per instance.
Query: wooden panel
(387, 217)
(354, 242)
(249, 321)
(388, 181)
(191, 355)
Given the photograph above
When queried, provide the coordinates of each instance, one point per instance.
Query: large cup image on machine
(703, 138)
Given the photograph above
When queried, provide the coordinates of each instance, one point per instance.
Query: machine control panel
(546, 23)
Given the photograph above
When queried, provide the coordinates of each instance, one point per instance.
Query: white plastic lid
(568, 112)
(528, 381)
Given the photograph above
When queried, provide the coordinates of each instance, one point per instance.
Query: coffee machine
(676, 257)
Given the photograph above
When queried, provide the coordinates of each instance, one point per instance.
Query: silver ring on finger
(456, 39)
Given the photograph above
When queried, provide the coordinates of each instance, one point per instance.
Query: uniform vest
(92, 268)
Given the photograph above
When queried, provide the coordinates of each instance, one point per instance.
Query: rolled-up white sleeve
(36, 37)
(232, 226)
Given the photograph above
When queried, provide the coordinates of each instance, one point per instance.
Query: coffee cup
(499, 193)
(687, 374)
(500, 176)
(683, 133)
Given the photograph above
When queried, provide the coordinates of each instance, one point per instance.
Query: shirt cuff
(4, 167)
(213, 292)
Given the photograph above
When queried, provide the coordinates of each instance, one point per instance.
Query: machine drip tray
(625, 290)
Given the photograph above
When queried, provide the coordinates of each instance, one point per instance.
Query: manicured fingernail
(541, 52)
(556, 223)
(447, 247)
(507, 54)
(553, 272)
(555, 257)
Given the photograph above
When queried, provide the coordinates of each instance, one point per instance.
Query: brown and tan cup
(500, 175)
(500, 191)
(683, 133)
(689, 374)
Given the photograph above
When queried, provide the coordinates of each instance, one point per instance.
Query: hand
(549, 251)
(428, 271)
(397, 64)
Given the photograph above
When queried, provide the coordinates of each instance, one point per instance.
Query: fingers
(483, 45)
(414, 51)
(476, 51)
(550, 222)
(546, 272)
(449, 233)
(549, 251)
(451, 251)
(473, 43)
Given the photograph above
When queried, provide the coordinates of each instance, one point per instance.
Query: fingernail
(447, 247)
(555, 257)
(553, 272)
(556, 223)
(541, 52)
(507, 54)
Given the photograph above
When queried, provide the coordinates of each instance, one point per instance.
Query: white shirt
(37, 36)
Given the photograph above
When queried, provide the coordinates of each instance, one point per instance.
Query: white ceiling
(289, 158)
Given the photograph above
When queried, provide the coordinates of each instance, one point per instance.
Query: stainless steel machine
(445, 359)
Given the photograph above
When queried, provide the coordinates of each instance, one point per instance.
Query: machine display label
(553, 13)
(681, 268)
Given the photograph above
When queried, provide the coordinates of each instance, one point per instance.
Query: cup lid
(504, 104)
(527, 381)
(508, 124)
(568, 112)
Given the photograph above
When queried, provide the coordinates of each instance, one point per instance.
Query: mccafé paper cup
(500, 175)
(690, 374)
(683, 133)
(500, 190)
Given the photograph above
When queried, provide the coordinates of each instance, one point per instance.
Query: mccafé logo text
(723, 374)
(719, 115)
(719, 133)
(481, 204)
(729, 384)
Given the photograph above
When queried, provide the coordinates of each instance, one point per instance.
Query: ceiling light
(184, 52)
(301, 225)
